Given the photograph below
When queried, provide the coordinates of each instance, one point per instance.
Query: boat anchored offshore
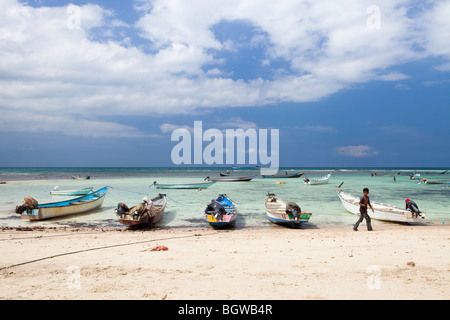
(202, 185)
(71, 193)
(89, 202)
(383, 212)
(230, 179)
(286, 176)
(323, 180)
(221, 212)
(133, 220)
(285, 213)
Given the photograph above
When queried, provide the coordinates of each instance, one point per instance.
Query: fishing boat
(221, 212)
(89, 202)
(426, 181)
(230, 179)
(71, 193)
(281, 212)
(383, 212)
(443, 172)
(199, 186)
(384, 175)
(226, 174)
(323, 180)
(82, 178)
(159, 202)
(286, 176)
(414, 176)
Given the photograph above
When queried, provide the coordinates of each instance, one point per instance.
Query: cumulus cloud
(52, 70)
(356, 151)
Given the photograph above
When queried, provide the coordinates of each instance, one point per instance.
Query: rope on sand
(101, 248)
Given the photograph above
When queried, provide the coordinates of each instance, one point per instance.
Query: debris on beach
(157, 248)
(411, 263)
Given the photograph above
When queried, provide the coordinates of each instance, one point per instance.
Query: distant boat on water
(286, 176)
(70, 193)
(323, 180)
(444, 181)
(201, 185)
(384, 175)
(230, 179)
(81, 178)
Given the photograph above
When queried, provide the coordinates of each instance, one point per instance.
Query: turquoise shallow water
(185, 207)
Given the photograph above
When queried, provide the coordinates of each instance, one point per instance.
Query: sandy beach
(272, 263)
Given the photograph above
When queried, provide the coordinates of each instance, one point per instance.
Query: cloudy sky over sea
(104, 83)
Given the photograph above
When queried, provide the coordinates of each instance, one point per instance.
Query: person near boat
(364, 202)
(413, 207)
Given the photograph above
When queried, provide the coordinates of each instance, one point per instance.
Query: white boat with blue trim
(89, 202)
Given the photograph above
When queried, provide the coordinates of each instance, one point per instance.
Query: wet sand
(272, 263)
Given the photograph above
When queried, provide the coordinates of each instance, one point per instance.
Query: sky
(104, 83)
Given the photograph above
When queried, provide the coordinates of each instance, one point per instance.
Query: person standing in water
(364, 202)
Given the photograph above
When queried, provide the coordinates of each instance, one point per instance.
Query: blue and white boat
(89, 202)
(221, 212)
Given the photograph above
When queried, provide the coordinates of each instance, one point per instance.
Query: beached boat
(71, 193)
(82, 178)
(230, 179)
(286, 176)
(323, 180)
(384, 175)
(221, 212)
(280, 212)
(202, 185)
(89, 202)
(159, 202)
(383, 212)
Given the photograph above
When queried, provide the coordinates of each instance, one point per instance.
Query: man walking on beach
(363, 203)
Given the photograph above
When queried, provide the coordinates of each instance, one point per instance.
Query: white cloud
(356, 151)
(402, 86)
(50, 70)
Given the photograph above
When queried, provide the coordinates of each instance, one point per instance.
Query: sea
(185, 207)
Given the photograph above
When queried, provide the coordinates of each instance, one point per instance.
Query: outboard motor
(216, 207)
(122, 209)
(294, 209)
(28, 204)
(413, 207)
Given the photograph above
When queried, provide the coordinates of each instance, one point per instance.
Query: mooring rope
(101, 248)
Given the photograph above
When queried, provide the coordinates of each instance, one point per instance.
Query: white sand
(274, 263)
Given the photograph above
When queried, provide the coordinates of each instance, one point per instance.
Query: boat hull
(160, 206)
(227, 220)
(70, 193)
(185, 186)
(381, 212)
(276, 213)
(231, 179)
(295, 175)
(79, 205)
(313, 182)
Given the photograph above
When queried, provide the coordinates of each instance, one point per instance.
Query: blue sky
(109, 90)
